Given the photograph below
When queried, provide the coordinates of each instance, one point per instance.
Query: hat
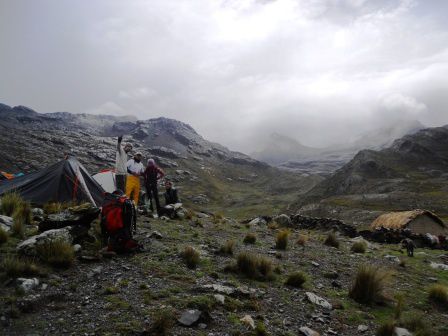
(151, 162)
(138, 153)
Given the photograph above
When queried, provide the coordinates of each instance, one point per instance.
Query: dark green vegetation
(332, 240)
(57, 253)
(281, 240)
(359, 247)
(296, 279)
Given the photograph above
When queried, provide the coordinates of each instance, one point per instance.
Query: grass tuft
(10, 202)
(438, 294)
(302, 240)
(161, 324)
(296, 279)
(416, 323)
(369, 284)
(250, 238)
(15, 267)
(227, 248)
(190, 256)
(3, 236)
(332, 240)
(281, 240)
(57, 253)
(359, 247)
(386, 329)
(254, 266)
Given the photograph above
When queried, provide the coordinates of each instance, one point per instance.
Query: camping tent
(64, 181)
(106, 179)
(418, 221)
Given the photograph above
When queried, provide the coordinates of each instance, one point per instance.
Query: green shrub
(162, 322)
(386, 329)
(359, 247)
(398, 308)
(250, 238)
(254, 266)
(3, 236)
(227, 248)
(191, 256)
(10, 202)
(296, 279)
(332, 240)
(14, 267)
(281, 240)
(260, 329)
(438, 294)
(368, 285)
(58, 253)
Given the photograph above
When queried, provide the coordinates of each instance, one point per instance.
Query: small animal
(409, 245)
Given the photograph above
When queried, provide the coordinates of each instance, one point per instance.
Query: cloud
(315, 70)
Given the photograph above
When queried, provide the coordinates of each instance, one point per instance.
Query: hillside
(208, 175)
(411, 173)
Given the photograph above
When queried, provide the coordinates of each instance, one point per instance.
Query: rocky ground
(128, 294)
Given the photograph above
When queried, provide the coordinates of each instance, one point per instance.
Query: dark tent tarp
(64, 181)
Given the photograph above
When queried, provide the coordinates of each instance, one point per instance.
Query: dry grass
(57, 253)
(56, 207)
(190, 256)
(359, 247)
(162, 322)
(227, 248)
(302, 240)
(438, 294)
(15, 267)
(9, 203)
(369, 284)
(281, 240)
(386, 329)
(21, 217)
(250, 238)
(416, 323)
(273, 225)
(296, 279)
(332, 240)
(3, 236)
(254, 266)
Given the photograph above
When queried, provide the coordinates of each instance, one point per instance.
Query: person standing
(121, 159)
(152, 174)
(135, 169)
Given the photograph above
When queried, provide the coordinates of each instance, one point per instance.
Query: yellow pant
(133, 188)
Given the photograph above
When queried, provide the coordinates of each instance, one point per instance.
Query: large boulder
(28, 247)
(82, 215)
(283, 220)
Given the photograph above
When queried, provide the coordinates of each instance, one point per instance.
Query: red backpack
(118, 215)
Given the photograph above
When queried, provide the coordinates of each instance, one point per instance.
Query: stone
(283, 220)
(363, 328)
(28, 284)
(317, 300)
(202, 215)
(257, 221)
(77, 248)
(308, 331)
(28, 247)
(5, 223)
(336, 284)
(402, 332)
(156, 235)
(219, 298)
(219, 289)
(315, 264)
(37, 212)
(190, 317)
(200, 199)
(392, 258)
(442, 267)
(82, 215)
(248, 321)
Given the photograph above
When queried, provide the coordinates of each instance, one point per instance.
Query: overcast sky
(320, 71)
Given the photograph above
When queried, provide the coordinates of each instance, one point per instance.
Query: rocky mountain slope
(289, 154)
(411, 173)
(207, 174)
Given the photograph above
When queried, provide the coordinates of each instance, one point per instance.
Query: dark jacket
(171, 196)
(152, 174)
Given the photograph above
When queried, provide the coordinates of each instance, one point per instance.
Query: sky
(319, 71)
